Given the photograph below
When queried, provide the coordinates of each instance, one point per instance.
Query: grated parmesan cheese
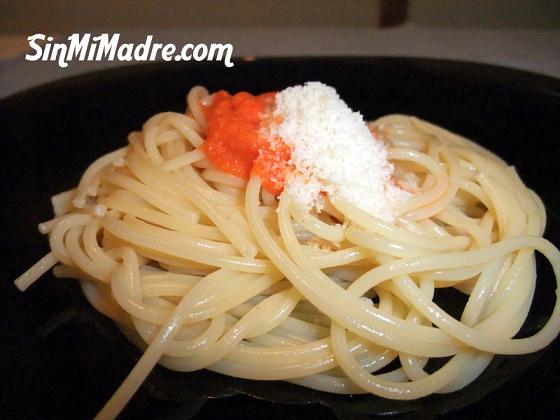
(333, 152)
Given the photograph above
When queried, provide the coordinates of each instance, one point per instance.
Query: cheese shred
(333, 152)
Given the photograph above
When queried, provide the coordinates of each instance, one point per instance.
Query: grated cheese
(333, 152)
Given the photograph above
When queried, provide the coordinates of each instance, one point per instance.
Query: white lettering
(107, 48)
(35, 46)
(92, 49)
(167, 52)
(141, 51)
(185, 50)
(200, 52)
(78, 46)
(219, 50)
(124, 53)
(60, 50)
(155, 50)
(46, 52)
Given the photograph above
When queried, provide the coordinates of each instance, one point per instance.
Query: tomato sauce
(235, 142)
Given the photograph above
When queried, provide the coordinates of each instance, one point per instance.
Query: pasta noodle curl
(205, 270)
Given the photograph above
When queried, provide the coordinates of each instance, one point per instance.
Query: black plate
(59, 358)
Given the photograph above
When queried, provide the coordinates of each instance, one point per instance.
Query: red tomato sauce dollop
(235, 142)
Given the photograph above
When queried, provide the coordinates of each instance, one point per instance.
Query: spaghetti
(205, 269)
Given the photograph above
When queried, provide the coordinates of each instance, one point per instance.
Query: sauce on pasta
(235, 142)
(186, 239)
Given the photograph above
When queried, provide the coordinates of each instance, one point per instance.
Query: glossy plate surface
(59, 358)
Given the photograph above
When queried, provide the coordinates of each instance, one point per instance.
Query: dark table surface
(60, 359)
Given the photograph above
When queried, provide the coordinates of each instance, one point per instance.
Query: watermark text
(106, 47)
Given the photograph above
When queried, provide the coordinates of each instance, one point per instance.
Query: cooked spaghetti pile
(280, 237)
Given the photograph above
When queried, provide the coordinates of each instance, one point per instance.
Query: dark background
(60, 359)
